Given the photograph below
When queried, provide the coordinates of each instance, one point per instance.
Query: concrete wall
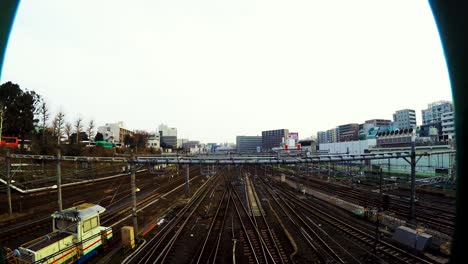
(354, 147)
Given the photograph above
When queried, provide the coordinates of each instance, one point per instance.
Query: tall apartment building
(328, 136)
(322, 137)
(332, 135)
(405, 118)
(348, 132)
(434, 111)
(114, 132)
(248, 144)
(274, 138)
(448, 125)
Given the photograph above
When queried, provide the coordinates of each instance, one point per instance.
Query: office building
(248, 144)
(405, 118)
(168, 136)
(274, 138)
(348, 132)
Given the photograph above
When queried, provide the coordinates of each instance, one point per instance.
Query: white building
(167, 131)
(154, 141)
(448, 124)
(168, 136)
(114, 132)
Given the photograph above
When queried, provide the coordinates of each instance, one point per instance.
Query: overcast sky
(216, 69)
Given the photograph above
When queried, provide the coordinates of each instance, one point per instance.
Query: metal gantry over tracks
(412, 157)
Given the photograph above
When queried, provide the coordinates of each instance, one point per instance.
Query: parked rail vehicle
(9, 142)
(76, 237)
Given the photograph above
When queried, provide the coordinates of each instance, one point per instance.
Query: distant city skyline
(218, 70)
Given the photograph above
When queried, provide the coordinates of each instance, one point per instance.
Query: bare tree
(68, 130)
(90, 129)
(78, 129)
(60, 121)
(54, 127)
(44, 113)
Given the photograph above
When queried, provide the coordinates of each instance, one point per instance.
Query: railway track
(119, 208)
(435, 217)
(209, 251)
(159, 248)
(254, 246)
(318, 241)
(265, 230)
(384, 249)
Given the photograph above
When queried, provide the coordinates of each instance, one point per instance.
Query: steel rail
(244, 229)
(215, 217)
(155, 242)
(270, 234)
(386, 248)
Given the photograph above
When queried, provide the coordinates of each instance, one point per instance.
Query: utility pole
(187, 183)
(377, 231)
(380, 183)
(134, 198)
(59, 179)
(8, 164)
(413, 181)
(1, 122)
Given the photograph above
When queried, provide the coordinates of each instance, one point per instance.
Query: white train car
(76, 237)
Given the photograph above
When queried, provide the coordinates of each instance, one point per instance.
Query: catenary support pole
(380, 183)
(8, 176)
(413, 183)
(187, 183)
(134, 199)
(59, 179)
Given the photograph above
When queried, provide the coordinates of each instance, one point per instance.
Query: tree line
(26, 115)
